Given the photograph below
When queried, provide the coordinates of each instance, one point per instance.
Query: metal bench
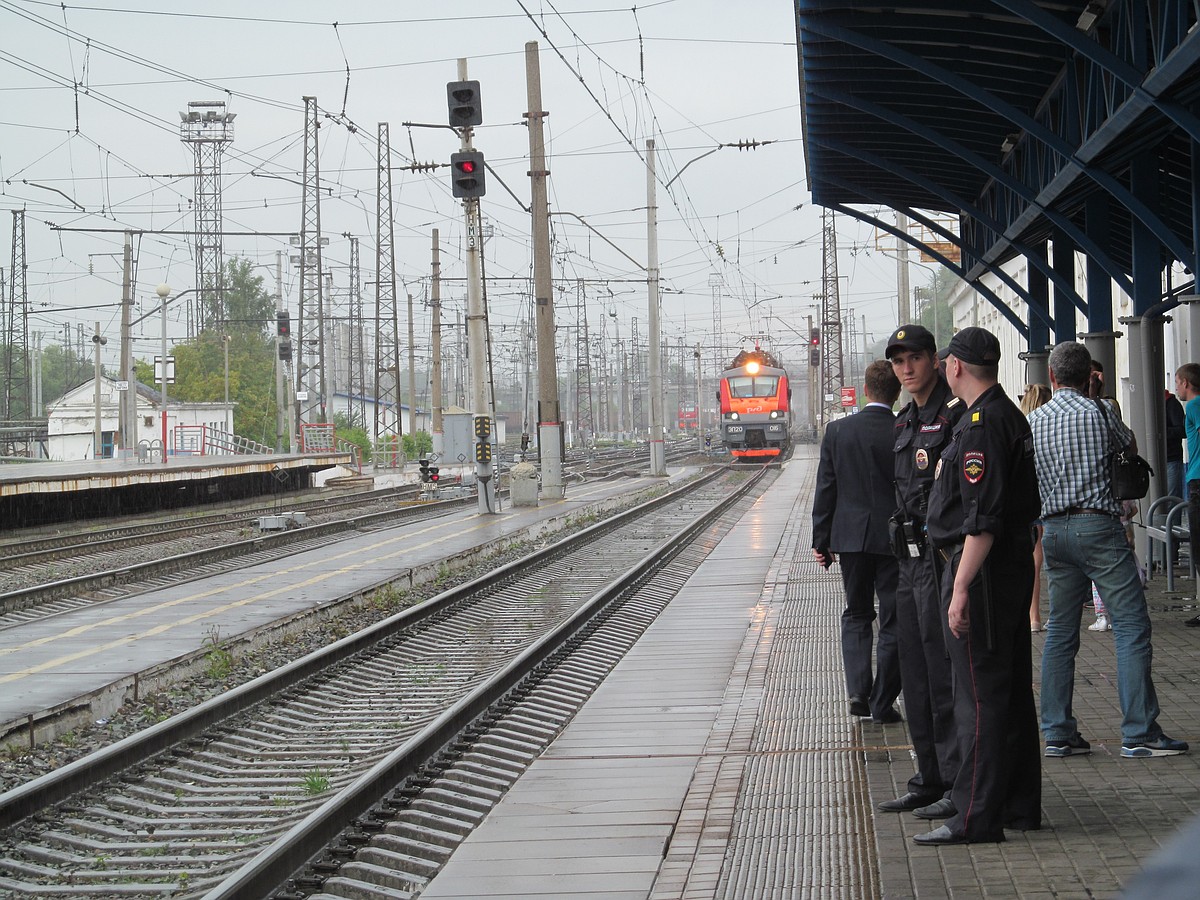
(1174, 522)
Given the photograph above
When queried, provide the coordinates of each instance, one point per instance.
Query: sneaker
(1075, 746)
(1101, 624)
(1164, 746)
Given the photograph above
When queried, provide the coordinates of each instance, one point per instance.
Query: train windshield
(744, 386)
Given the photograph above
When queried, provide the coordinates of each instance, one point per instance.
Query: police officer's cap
(977, 346)
(910, 337)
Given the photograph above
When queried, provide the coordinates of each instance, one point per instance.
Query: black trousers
(865, 576)
(1000, 781)
(925, 676)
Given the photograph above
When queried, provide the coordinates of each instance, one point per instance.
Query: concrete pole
(550, 435)
(225, 339)
(128, 404)
(412, 373)
(476, 328)
(281, 404)
(164, 291)
(435, 301)
(658, 461)
(699, 405)
(98, 436)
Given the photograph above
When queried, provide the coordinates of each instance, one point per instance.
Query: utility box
(523, 484)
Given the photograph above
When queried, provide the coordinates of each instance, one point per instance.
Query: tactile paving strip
(779, 804)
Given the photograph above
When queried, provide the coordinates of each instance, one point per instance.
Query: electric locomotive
(755, 399)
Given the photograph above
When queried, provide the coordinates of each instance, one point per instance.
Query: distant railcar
(688, 417)
(755, 398)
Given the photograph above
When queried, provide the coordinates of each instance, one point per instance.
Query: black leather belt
(1081, 511)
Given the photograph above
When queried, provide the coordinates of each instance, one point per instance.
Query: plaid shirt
(1072, 446)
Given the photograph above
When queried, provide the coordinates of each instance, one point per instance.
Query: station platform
(38, 493)
(719, 760)
(82, 664)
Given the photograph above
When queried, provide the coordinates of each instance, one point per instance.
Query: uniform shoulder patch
(952, 402)
(976, 416)
(973, 466)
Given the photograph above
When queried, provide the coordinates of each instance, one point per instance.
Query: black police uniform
(922, 433)
(986, 482)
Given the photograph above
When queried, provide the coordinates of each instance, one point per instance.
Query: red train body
(755, 398)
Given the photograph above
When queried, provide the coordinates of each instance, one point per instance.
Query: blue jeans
(1175, 485)
(1079, 549)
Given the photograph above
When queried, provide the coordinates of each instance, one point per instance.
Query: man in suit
(854, 499)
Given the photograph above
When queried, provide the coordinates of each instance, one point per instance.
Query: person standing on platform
(1176, 430)
(1187, 389)
(1083, 541)
(1035, 395)
(851, 508)
(981, 508)
(923, 430)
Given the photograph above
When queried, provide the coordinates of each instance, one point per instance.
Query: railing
(389, 453)
(320, 437)
(201, 440)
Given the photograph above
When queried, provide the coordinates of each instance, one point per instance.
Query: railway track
(234, 796)
(49, 575)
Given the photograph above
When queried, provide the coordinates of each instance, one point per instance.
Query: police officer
(923, 429)
(981, 509)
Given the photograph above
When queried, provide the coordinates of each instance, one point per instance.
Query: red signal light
(467, 166)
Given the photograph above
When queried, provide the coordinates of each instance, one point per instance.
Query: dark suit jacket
(856, 492)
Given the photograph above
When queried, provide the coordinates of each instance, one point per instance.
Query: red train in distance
(688, 417)
(755, 398)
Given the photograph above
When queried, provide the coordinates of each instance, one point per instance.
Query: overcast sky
(89, 139)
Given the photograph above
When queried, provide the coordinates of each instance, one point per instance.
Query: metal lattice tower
(832, 371)
(387, 323)
(715, 281)
(208, 128)
(584, 411)
(17, 396)
(310, 351)
(358, 354)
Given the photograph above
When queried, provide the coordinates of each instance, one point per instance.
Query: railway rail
(235, 796)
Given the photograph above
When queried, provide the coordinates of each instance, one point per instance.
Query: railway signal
(433, 475)
(814, 347)
(426, 474)
(462, 98)
(283, 323)
(466, 177)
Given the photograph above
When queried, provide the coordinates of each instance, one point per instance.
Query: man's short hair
(1190, 372)
(881, 384)
(1071, 364)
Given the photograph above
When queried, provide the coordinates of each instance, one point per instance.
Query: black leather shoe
(1192, 622)
(940, 836)
(889, 716)
(907, 802)
(941, 809)
(859, 707)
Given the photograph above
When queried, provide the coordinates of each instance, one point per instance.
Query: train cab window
(744, 386)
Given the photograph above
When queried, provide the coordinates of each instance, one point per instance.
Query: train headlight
(733, 417)
(774, 414)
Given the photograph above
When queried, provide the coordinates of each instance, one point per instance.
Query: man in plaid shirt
(1084, 541)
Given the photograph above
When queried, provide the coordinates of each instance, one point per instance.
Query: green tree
(248, 308)
(417, 445)
(346, 430)
(936, 314)
(200, 362)
(62, 370)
